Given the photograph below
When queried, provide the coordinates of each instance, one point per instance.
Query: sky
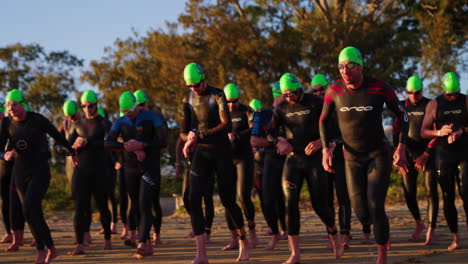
(86, 27)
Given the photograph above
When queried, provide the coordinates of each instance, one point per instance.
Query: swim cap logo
(21, 144)
(356, 108)
(305, 112)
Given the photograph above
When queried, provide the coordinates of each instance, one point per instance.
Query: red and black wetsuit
(301, 124)
(452, 159)
(367, 158)
(208, 114)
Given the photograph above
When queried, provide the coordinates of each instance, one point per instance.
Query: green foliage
(58, 195)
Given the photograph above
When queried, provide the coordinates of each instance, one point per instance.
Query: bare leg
(157, 239)
(124, 234)
(131, 241)
(382, 254)
(420, 226)
(337, 245)
(274, 240)
(8, 238)
(51, 254)
(233, 244)
(430, 236)
(244, 253)
(455, 243)
(41, 256)
(295, 250)
(18, 240)
(253, 238)
(201, 257)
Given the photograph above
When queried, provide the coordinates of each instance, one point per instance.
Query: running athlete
(449, 113)
(91, 178)
(358, 102)
(419, 158)
(299, 114)
(243, 163)
(28, 146)
(142, 100)
(205, 124)
(273, 197)
(319, 84)
(144, 134)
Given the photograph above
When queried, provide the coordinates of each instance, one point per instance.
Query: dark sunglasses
(128, 112)
(413, 92)
(88, 106)
(291, 94)
(141, 104)
(350, 65)
(318, 89)
(194, 86)
(233, 101)
(452, 94)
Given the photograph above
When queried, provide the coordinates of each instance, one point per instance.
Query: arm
(50, 129)
(186, 123)
(427, 130)
(111, 142)
(400, 114)
(225, 126)
(325, 117)
(57, 147)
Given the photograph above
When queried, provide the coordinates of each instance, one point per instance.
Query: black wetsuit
(123, 196)
(301, 124)
(450, 157)
(30, 172)
(143, 178)
(367, 158)
(415, 146)
(208, 114)
(243, 163)
(273, 198)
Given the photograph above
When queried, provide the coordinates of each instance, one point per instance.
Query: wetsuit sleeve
(274, 126)
(431, 146)
(225, 126)
(401, 116)
(244, 135)
(57, 147)
(325, 117)
(186, 119)
(427, 130)
(50, 129)
(111, 142)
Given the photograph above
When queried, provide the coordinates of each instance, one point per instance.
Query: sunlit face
(15, 109)
(319, 90)
(89, 108)
(452, 96)
(131, 113)
(291, 96)
(351, 73)
(198, 88)
(414, 96)
(233, 104)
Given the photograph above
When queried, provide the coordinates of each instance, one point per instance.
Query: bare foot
(124, 234)
(420, 226)
(41, 256)
(293, 259)
(51, 254)
(430, 237)
(157, 239)
(244, 253)
(455, 245)
(233, 244)
(141, 251)
(274, 240)
(207, 239)
(8, 238)
(200, 260)
(345, 239)
(113, 228)
(79, 250)
(13, 247)
(284, 235)
(253, 238)
(366, 240)
(337, 245)
(191, 235)
(107, 244)
(101, 232)
(33, 243)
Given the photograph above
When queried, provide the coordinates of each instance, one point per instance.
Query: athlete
(243, 163)
(449, 113)
(358, 102)
(91, 178)
(28, 146)
(419, 158)
(205, 126)
(142, 100)
(273, 197)
(299, 114)
(144, 134)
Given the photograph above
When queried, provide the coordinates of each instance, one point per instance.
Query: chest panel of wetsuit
(301, 121)
(415, 118)
(95, 131)
(452, 112)
(359, 113)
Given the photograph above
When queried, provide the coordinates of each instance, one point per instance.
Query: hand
(420, 162)
(133, 145)
(455, 135)
(117, 165)
(140, 154)
(191, 135)
(74, 160)
(313, 147)
(399, 159)
(327, 159)
(80, 142)
(445, 130)
(189, 147)
(283, 147)
(9, 155)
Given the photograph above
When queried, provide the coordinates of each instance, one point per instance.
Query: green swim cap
(275, 89)
(350, 54)
(319, 79)
(231, 91)
(89, 96)
(127, 101)
(289, 82)
(413, 84)
(256, 104)
(101, 112)
(140, 96)
(15, 95)
(70, 108)
(193, 73)
(451, 82)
